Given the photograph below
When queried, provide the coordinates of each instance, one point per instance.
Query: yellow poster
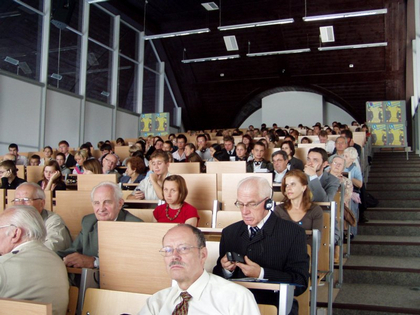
(393, 112)
(379, 135)
(374, 112)
(162, 123)
(146, 123)
(396, 135)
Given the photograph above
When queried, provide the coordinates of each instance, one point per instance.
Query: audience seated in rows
(19, 159)
(52, 179)
(258, 164)
(8, 173)
(135, 171)
(48, 155)
(63, 147)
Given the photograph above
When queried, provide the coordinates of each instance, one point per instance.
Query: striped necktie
(254, 231)
(182, 308)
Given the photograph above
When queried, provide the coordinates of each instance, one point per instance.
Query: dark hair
(323, 133)
(48, 147)
(321, 151)
(307, 139)
(217, 147)
(221, 155)
(137, 164)
(36, 157)
(291, 146)
(170, 143)
(182, 187)
(201, 135)
(86, 147)
(181, 136)
(61, 154)
(13, 146)
(191, 146)
(347, 133)
(157, 139)
(63, 142)
(121, 140)
(280, 152)
(229, 138)
(10, 166)
(106, 146)
(307, 195)
(260, 143)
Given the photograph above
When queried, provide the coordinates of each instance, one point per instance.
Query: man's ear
(17, 235)
(120, 203)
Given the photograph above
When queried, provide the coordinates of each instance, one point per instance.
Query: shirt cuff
(312, 177)
(261, 276)
(96, 263)
(227, 273)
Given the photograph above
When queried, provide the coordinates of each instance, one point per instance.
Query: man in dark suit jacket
(63, 147)
(107, 204)
(322, 184)
(229, 147)
(258, 164)
(280, 161)
(276, 250)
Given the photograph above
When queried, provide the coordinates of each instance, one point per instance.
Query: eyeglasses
(110, 162)
(8, 225)
(181, 250)
(24, 200)
(253, 205)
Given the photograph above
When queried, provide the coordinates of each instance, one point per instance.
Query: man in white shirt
(202, 149)
(329, 144)
(280, 160)
(20, 159)
(196, 291)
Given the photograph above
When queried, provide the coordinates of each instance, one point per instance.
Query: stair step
(402, 170)
(390, 227)
(392, 179)
(370, 299)
(392, 186)
(398, 203)
(393, 214)
(391, 173)
(385, 270)
(377, 245)
(400, 194)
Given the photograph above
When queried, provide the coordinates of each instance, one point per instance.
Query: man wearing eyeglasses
(58, 236)
(196, 292)
(273, 249)
(107, 205)
(109, 163)
(29, 270)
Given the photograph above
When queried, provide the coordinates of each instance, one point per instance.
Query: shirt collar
(196, 289)
(262, 222)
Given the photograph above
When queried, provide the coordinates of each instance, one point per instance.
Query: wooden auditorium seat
(184, 168)
(34, 173)
(21, 172)
(87, 182)
(12, 306)
(224, 167)
(48, 199)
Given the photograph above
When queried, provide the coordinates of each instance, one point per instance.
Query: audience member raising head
(297, 205)
(175, 210)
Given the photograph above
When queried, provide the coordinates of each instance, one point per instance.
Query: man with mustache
(196, 291)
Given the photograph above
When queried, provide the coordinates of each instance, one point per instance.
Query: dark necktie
(182, 308)
(254, 231)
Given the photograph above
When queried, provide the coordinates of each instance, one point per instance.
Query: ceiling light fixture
(210, 6)
(371, 45)
(343, 15)
(218, 58)
(181, 33)
(231, 43)
(95, 1)
(255, 24)
(280, 52)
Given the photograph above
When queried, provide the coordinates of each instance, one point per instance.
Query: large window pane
(149, 91)
(36, 4)
(128, 41)
(101, 26)
(63, 60)
(20, 40)
(127, 84)
(98, 84)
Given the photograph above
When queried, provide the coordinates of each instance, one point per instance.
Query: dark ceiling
(224, 93)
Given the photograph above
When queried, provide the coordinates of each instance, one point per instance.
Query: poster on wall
(156, 124)
(386, 120)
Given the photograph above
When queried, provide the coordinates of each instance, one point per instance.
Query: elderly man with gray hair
(58, 236)
(107, 202)
(28, 269)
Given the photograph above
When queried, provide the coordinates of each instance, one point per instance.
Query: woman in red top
(175, 210)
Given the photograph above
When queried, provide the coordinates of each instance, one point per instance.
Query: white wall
(127, 125)
(20, 114)
(62, 119)
(294, 108)
(98, 123)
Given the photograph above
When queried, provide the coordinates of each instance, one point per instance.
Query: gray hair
(280, 152)
(341, 158)
(117, 190)
(39, 193)
(352, 152)
(260, 184)
(29, 220)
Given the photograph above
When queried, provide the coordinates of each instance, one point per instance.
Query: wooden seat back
(48, 199)
(21, 172)
(224, 167)
(2, 199)
(301, 151)
(184, 168)
(12, 306)
(201, 190)
(269, 152)
(72, 206)
(100, 301)
(73, 298)
(122, 152)
(226, 218)
(144, 269)
(230, 186)
(87, 182)
(34, 173)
